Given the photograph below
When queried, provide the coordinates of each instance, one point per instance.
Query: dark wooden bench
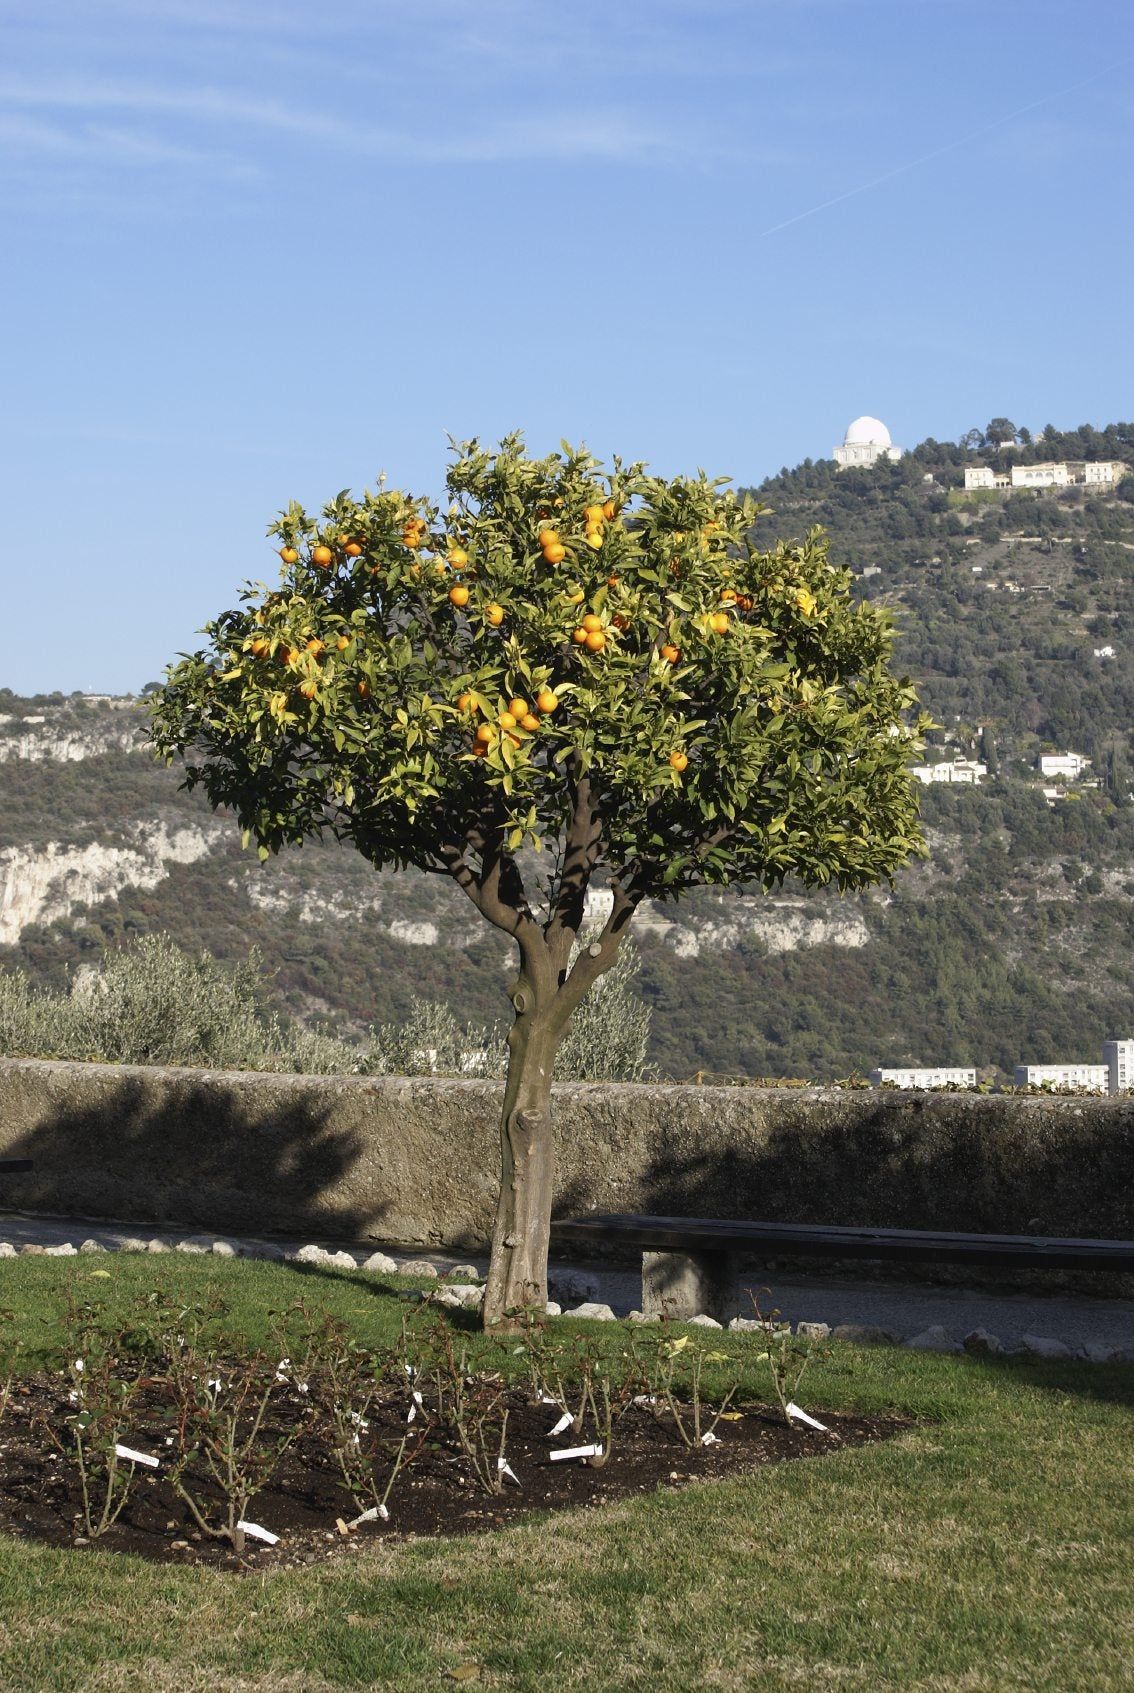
(690, 1264)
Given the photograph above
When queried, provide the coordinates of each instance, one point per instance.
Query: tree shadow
(1106, 1384)
(141, 1152)
(902, 1163)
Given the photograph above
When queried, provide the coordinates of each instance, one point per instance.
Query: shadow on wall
(195, 1155)
(985, 1166)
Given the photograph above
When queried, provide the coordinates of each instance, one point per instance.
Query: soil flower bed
(156, 1441)
(306, 1504)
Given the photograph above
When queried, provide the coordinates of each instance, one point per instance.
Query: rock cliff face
(42, 884)
(42, 736)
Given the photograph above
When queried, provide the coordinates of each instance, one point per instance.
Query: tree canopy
(601, 669)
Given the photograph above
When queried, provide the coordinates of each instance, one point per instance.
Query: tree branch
(598, 957)
(580, 855)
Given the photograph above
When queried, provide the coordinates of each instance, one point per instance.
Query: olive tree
(559, 678)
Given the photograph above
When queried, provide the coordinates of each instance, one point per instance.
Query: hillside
(1011, 941)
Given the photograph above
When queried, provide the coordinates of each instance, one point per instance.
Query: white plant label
(412, 1413)
(576, 1452)
(710, 1439)
(129, 1453)
(258, 1533)
(802, 1417)
(505, 1468)
(565, 1421)
(644, 1399)
(547, 1400)
(372, 1515)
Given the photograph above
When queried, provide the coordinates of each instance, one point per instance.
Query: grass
(987, 1549)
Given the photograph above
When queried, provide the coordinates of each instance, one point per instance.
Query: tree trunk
(517, 1272)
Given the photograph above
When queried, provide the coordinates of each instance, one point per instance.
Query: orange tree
(596, 674)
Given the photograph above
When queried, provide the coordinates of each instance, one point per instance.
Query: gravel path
(905, 1309)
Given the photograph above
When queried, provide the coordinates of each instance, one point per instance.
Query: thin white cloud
(599, 134)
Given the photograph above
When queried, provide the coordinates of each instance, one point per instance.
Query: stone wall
(416, 1160)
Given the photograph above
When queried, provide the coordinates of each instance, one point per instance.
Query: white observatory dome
(867, 432)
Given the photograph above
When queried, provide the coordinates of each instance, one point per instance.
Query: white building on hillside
(1093, 1078)
(1069, 765)
(1119, 1058)
(865, 442)
(966, 770)
(1100, 473)
(924, 1078)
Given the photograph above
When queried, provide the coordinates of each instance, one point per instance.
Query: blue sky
(262, 249)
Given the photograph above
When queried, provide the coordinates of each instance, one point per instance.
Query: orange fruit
(548, 538)
(465, 702)
(322, 556)
(555, 553)
(728, 596)
(519, 708)
(494, 614)
(594, 539)
(459, 595)
(546, 700)
(613, 581)
(576, 598)
(595, 640)
(485, 735)
(529, 721)
(670, 653)
(591, 622)
(579, 636)
(309, 689)
(718, 623)
(364, 690)
(593, 514)
(289, 555)
(284, 653)
(620, 622)
(343, 643)
(678, 760)
(506, 720)
(353, 550)
(260, 648)
(608, 510)
(458, 557)
(479, 749)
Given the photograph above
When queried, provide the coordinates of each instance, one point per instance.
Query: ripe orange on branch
(595, 640)
(546, 700)
(459, 596)
(555, 553)
(591, 622)
(718, 623)
(322, 556)
(289, 555)
(494, 614)
(678, 760)
(353, 550)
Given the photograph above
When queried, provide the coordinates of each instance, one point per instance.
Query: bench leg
(685, 1284)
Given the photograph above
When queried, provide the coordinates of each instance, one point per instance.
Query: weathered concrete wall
(416, 1160)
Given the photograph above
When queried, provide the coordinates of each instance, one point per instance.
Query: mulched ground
(437, 1494)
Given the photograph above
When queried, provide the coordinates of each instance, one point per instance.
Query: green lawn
(989, 1548)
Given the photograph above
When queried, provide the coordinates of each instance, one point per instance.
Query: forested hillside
(1012, 941)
